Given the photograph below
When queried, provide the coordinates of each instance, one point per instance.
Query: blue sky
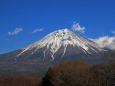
(25, 21)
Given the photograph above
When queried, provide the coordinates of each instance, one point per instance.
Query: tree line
(80, 73)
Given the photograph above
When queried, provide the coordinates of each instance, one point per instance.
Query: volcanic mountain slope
(61, 43)
(58, 45)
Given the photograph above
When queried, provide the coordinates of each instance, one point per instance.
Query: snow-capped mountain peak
(54, 41)
(59, 45)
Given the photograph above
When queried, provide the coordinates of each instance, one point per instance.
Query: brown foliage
(19, 81)
(79, 73)
(67, 73)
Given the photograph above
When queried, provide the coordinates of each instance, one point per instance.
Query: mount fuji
(56, 46)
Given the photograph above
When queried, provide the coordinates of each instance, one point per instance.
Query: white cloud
(106, 41)
(37, 30)
(77, 27)
(113, 32)
(16, 31)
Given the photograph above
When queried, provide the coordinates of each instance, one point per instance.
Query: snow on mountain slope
(55, 40)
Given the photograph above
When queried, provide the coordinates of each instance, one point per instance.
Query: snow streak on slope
(61, 38)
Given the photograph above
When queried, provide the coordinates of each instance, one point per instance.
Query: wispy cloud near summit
(77, 27)
(113, 32)
(37, 30)
(16, 31)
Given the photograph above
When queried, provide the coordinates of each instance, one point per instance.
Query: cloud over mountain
(106, 41)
